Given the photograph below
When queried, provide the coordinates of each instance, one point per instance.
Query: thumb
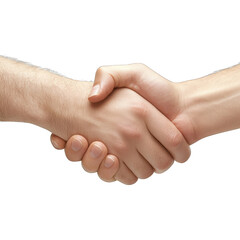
(109, 77)
(103, 85)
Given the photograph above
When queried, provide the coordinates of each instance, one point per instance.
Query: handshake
(134, 131)
(130, 132)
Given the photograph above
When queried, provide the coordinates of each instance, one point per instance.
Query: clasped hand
(132, 132)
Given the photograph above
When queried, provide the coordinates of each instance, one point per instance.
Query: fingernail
(95, 90)
(95, 151)
(76, 145)
(109, 161)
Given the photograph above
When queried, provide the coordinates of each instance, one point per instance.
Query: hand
(76, 149)
(166, 96)
(132, 129)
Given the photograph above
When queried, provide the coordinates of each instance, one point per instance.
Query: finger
(108, 168)
(109, 77)
(76, 147)
(157, 156)
(94, 156)
(168, 135)
(57, 142)
(125, 175)
(140, 167)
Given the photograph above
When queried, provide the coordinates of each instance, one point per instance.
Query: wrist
(66, 111)
(211, 103)
(33, 95)
(188, 118)
(53, 102)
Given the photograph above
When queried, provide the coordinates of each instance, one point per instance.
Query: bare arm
(213, 102)
(22, 95)
(31, 94)
(125, 122)
(26, 96)
(198, 108)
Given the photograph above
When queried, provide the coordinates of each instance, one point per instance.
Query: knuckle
(186, 156)
(121, 146)
(127, 179)
(145, 174)
(129, 130)
(164, 165)
(133, 133)
(175, 139)
(130, 181)
(140, 109)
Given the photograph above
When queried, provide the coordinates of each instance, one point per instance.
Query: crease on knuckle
(186, 156)
(175, 139)
(130, 131)
(163, 165)
(124, 178)
(120, 146)
(130, 181)
(140, 109)
(145, 174)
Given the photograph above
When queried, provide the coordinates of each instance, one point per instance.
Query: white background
(44, 196)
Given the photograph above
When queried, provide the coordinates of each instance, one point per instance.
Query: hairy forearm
(34, 95)
(212, 103)
(23, 92)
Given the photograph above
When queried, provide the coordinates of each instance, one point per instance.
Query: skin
(106, 165)
(142, 138)
(198, 108)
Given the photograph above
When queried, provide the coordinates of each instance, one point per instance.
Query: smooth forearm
(212, 102)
